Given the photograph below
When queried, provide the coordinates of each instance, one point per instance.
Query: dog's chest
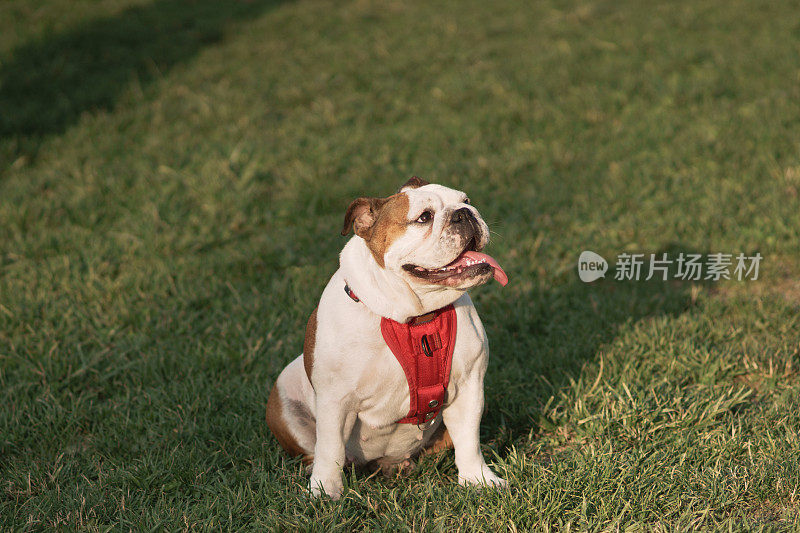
(356, 362)
(383, 389)
(385, 398)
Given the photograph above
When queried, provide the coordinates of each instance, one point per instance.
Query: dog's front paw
(484, 477)
(333, 487)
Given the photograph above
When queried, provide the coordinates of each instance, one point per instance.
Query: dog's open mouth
(468, 264)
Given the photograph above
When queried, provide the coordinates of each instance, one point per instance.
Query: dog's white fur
(359, 389)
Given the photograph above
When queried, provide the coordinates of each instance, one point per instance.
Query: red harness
(424, 348)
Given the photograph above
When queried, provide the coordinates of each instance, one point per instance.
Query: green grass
(172, 179)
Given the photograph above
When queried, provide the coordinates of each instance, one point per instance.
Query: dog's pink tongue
(499, 273)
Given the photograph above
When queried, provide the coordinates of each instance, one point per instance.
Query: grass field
(173, 176)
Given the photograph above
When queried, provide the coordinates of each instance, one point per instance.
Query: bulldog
(394, 354)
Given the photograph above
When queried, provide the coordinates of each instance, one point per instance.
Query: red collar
(424, 348)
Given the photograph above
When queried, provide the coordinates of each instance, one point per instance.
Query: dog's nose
(460, 215)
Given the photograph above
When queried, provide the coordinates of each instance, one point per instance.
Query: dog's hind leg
(290, 415)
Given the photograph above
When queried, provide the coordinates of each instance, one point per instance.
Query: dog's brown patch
(391, 223)
(379, 221)
(277, 424)
(413, 183)
(308, 344)
(439, 441)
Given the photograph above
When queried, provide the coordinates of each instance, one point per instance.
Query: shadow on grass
(47, 84)
(545, 341)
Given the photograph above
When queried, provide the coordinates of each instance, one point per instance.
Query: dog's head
(428, 234)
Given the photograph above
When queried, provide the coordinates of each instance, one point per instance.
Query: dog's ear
(361, 215)
(413, 183)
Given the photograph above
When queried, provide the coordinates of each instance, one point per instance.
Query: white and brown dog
(352, 397)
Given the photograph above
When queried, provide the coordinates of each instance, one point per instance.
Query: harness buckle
(430, 418)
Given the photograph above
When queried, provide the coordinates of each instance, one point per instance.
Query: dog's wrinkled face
(428, 234)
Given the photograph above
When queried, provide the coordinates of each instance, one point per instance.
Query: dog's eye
(425, 217)
(466, 201)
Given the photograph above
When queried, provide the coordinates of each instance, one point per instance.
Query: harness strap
(424, 348)
(425, 351)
